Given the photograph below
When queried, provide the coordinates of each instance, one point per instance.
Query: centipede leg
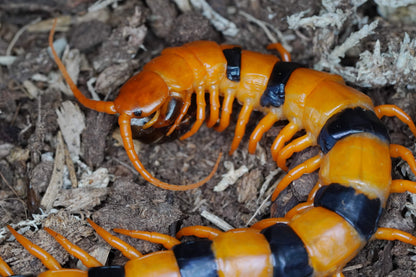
(126, 249)
(397, 151)
(241, 126)
(297, 145)
(200, 113)
(167, 241)
(308, 166)
(284, 54)
(285, 135)
(299, 209)
(393, 110)
(182, 112)
(264, 125)
(199, 231)
(214, 105)
(400, 186)
(227, 109)
(312, 193)
(83, 256)
(36, 251)
(5, 269)
(394, 234)
(263, 224)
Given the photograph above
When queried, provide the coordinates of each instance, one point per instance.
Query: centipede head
(142, 95)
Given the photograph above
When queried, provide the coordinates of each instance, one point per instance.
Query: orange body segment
(251, 258)
(329, 239)
(161, 264)
(346, 162)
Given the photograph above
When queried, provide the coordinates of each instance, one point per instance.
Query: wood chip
(57, 175)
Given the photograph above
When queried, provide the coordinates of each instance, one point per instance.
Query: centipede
(315, 238)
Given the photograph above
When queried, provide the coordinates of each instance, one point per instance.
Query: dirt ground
(91, 173)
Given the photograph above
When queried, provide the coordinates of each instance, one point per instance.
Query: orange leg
(227, 109)
(312, 193)
(300, 208)
(5, 269)
(214, 99)
(264, 125)
(184, 109)
(397, 151)
(297, 145)
(308, 166)
(126, 249)
(200, 113)
(36, 251)
(199, 231)
(284, 54)
(265, 223)
(400, 186)
(167, 241)
(285, 135)
(394, 234)
(241, 126)
(99, 106)
(125, 130)
(83, 256)
(393, 110)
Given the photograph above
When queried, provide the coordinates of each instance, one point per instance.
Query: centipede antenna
(125, 130)
(5, 269)
(167, 241)
(199, 231)
(36, 251)
(83, 256)
(126, 249)
(99, 106)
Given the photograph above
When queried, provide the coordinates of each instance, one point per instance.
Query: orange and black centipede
(160, 95)
(316, 238)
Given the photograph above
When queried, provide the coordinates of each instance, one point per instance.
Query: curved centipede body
(281, 89)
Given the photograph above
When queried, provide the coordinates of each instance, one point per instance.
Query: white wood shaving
(71, 121)
(230, 177)
(225, 26)
(219, 222)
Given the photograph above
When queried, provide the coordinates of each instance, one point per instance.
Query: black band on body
(356, 208)
(288, 251)
(348, 122)
(233, 57)
(106, 271)
(274, 94)
(195, 258)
